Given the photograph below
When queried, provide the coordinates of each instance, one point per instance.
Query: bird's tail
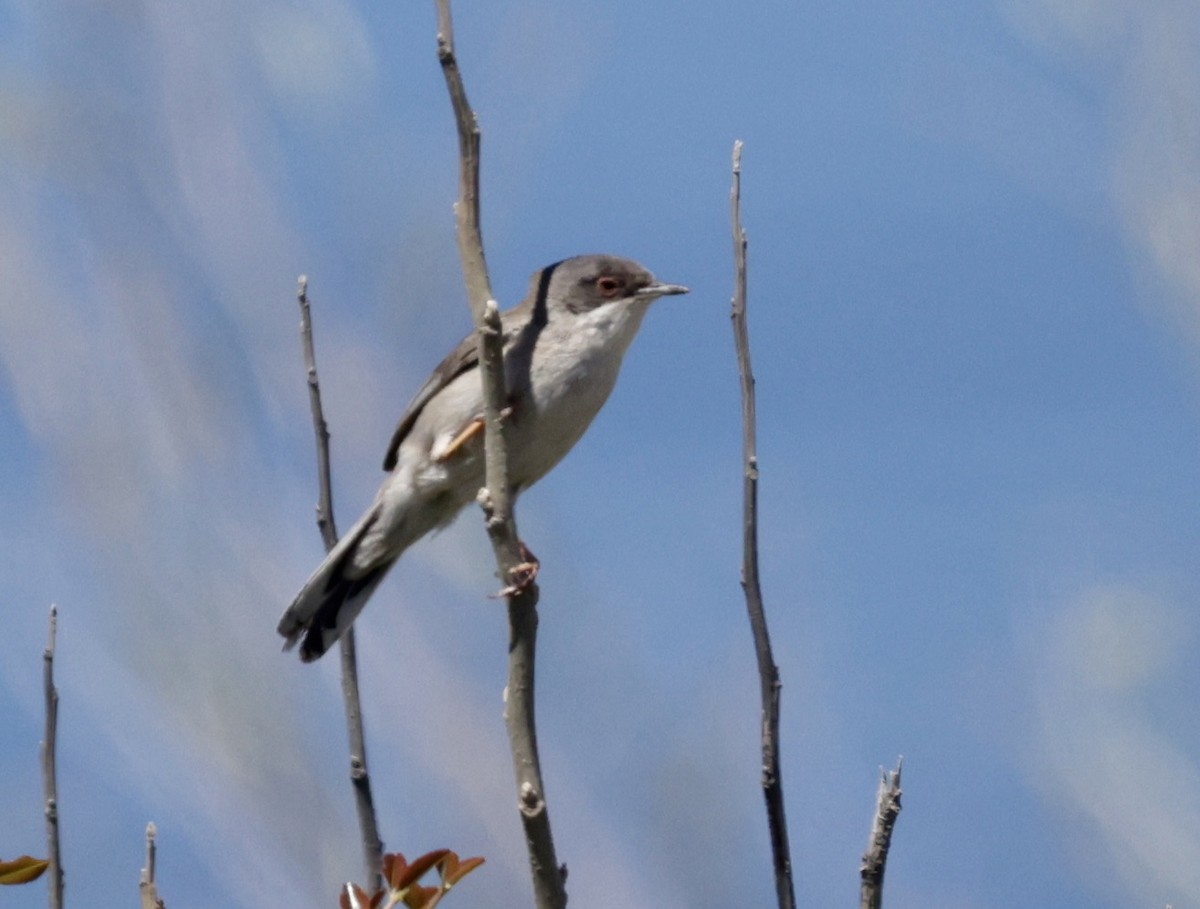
(333, 597)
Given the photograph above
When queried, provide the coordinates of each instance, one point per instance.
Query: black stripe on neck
(541, 314)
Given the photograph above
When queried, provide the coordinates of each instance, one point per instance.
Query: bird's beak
(661, 290)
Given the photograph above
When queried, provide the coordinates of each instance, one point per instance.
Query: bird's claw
(520, 576)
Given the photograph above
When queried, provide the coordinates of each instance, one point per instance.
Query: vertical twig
(772, 782)
(49, 771)
(148, 886)
(874, 860)
(360, 780)
(325, 523)
(496, 498)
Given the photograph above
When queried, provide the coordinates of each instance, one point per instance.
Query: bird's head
(584, 283)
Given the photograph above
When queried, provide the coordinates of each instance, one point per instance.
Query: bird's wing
(458, 361)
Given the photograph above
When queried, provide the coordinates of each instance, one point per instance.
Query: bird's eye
(609, 286)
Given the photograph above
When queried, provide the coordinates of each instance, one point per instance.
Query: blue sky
(975, 310)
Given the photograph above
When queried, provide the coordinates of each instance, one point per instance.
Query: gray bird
(563, 347)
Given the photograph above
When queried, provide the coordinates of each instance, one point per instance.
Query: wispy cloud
(1144, 58)
(1100, 750)
(146, 329)
(145, 282)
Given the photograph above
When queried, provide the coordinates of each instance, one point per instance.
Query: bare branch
(360, 780)
(148, 886)
(772, 781)
(325, 523)
(49, 771)
(887, 809)
(496, 498)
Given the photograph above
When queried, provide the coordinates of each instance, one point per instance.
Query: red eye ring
(609, 286)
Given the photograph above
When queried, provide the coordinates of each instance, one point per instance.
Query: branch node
(491, 318)
(532, 803)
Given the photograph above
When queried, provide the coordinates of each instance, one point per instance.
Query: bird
(563, 349)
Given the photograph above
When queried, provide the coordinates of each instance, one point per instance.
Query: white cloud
(1125, 784)
(314, 54)
(1076, 27)
(1145, 58)
(145, 293)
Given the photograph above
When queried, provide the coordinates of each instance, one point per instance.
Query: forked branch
(874, 861)
(496, 498)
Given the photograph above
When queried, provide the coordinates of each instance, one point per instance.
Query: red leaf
(419, 897)
(354, 897)
(454, 871)
(419, 867)
(394, 866)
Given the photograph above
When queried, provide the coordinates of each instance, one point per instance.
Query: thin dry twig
(49, 771)
(496, 499)
(772, 781)
(874, 860)
(325, 522)
(148, 885)
(360, 780)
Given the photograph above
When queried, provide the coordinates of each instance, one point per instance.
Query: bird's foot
(465, 435)
(522, 575)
